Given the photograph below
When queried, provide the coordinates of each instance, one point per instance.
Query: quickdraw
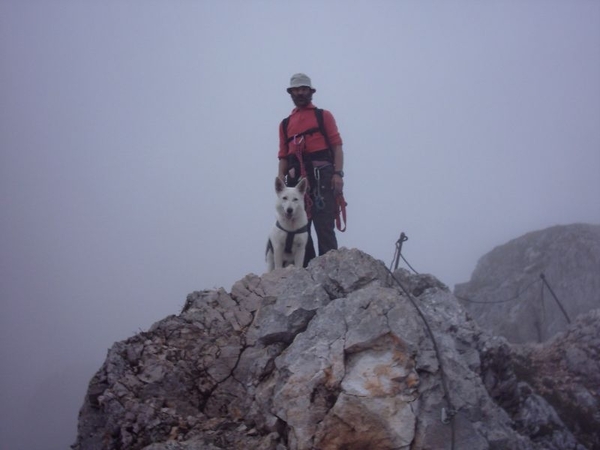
(340, 212)
(319, 200)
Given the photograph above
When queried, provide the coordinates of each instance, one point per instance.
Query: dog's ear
(279, 184)
(302, 185)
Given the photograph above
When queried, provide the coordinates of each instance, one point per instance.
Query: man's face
(302, 96)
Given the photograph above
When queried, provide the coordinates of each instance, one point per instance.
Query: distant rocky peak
(507, 295)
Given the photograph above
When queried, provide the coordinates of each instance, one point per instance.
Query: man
(311, 146)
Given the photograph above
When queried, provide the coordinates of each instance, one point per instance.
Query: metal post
(399, 242)
(543, 277)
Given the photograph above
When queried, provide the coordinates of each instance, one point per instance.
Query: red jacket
(305, 119)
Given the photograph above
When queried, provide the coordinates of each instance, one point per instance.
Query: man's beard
(301, 100)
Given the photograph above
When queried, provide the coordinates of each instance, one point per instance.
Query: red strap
(340, 208)
(308, 203)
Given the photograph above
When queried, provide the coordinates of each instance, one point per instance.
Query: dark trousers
(322, 212)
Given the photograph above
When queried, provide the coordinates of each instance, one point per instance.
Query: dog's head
(290, 200)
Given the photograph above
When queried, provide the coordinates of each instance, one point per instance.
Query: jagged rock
(335, 356)
(552, 398)
(508, 286)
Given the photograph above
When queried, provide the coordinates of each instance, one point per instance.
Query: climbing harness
(289, 240)
(299, 144)
(319, 128)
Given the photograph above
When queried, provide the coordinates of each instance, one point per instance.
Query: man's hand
(337, 184)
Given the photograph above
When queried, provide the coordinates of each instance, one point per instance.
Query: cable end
(447, 415)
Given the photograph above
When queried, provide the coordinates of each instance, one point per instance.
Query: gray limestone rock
(341, 355)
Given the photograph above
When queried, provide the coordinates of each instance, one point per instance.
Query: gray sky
(138, 148)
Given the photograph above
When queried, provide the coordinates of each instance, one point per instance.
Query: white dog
(287, 240)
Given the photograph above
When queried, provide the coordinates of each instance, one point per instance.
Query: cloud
(139, 147)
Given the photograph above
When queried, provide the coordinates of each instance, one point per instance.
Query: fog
(138, 146)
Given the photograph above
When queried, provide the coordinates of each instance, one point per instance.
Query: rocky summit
(341, 355)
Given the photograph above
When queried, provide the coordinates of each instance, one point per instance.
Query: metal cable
(451, 410)
(515, 297)
(408, 264)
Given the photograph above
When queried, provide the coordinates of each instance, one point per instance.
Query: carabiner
(319, 202)
(317, 173)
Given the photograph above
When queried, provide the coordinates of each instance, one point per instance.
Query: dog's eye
(285, 198)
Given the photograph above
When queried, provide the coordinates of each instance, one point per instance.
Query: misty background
(138, 146)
